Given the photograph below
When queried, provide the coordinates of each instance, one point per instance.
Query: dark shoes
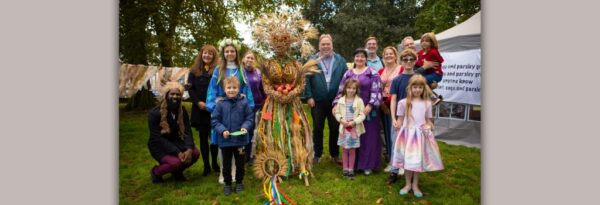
(239, 187)
(336, 160)
(316, 160)
(206, 172)
(227, 190)
(216, 168)
(179, 176)
(392, 178)
(348, 174)
(155, 178)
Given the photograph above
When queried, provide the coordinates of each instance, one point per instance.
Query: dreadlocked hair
(416, 80)
(164, 112)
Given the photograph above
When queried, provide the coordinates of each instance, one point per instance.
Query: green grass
(458, 183)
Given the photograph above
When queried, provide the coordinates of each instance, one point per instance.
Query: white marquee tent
(457, 119)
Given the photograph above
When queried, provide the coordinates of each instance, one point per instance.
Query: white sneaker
(388, 168)
(368, 172)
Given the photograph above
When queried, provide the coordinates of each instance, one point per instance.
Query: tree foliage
(439, 15)
(351, 22)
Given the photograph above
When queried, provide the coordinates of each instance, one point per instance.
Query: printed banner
(462, 74)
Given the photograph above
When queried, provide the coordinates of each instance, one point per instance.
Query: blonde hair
(394, 51)
(325, 35)
(416, 80)
(408, 52)
(349, 82)
(431, 38)
(164, 124)
(371, 38)
(231, 80)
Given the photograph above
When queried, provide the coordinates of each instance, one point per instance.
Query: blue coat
(316, 86)
(232, 115)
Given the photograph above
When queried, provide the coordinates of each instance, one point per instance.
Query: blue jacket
(232, 115)
(316, 86)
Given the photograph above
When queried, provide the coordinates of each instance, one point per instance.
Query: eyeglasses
(408, 60)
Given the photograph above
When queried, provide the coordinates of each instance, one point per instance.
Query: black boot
(392, 178)
(155, 178)
(227, 190)
(178, 175)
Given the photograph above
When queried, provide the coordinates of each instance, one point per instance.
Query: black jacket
(198, 90)
(171, 144)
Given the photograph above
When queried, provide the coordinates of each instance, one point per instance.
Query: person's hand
(188, 156)
(343, 122)
(226, 134)
(181, 156)
(202, 105)
(351, 123)
(244, 130)
(333, 109)
(396, 124)
(367, 110)
(311, 102)
(429, 64)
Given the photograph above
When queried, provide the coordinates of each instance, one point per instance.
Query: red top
(432, 55)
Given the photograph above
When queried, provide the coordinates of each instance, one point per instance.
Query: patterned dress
(348, 138)
(415, 148)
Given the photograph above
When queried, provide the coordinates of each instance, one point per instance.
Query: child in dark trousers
(231, 119)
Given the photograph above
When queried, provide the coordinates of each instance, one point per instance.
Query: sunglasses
(408, 60)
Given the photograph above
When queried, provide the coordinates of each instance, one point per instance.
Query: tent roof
(464, 36)
(469, 27)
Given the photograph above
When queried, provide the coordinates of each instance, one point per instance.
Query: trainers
(368, 172)
(351, 175)
(239, 187)
(388, 168)
(345, 173)
(155, 178)
(227, 190)
(392, 178)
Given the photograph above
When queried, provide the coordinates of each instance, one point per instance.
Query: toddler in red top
(429, 52)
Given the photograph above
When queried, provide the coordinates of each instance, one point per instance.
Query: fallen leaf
(215, 202)
(380, 200)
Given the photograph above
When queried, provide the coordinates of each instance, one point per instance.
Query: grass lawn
(458, 183)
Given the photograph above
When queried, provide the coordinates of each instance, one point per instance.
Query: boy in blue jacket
(231, 119)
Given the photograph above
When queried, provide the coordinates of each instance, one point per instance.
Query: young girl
(429, 52)
(350, 113)
(416, 149)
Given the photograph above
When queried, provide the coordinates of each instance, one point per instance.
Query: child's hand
(244, 130)
(226, 134)
(351, 123)
(396, 124)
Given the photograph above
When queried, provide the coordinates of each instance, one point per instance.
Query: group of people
(228, 98)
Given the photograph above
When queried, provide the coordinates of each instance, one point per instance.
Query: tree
(439, 15)
(351, 22)
(170, 32)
